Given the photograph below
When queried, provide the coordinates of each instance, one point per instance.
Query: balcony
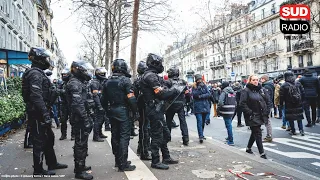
(40, 27)
(200, 56)
(236, 43)
(216, 65)
(236, 58)
(303, 46)
(201, 68)
(269, 50)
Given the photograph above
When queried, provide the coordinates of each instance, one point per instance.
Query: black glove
(47, 121)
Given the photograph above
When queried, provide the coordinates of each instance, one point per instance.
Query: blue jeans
(228, 123)
(208, 118)
(284, 121)
(300, 125)
(201, 117)
(55, 114)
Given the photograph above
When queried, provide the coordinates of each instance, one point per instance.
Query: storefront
(13, 63)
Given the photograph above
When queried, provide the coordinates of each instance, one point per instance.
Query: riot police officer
(65, 111)
(77, 97)
(39, 97)
(176, 105)
(144, 138)
(96, 88)
(154, 93)
(117, 99)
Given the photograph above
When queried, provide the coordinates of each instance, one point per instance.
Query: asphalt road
(301, 153)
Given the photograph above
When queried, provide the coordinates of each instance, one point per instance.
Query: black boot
(102, 135)
(63, 137)
(116, 164)
(85, 168)
(170, 161)
(80, 171)
(44, 172)
(145, 157)
(185, 141)
(127, 167)
(57, 166)
(160, 166)
(97, 139)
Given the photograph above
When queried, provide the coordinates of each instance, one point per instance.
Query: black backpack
(294, 94)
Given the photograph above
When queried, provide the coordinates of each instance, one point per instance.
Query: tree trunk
(107, 37)
(112, 34)
(134, 40)
(118, 30)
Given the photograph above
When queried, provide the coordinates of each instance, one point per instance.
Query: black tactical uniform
(96, 88)
(28, 134)
(77, 96)
(65, 111)
(176, 105)
(154, 93)
(39, 96)
(144, 137)
(117, 99)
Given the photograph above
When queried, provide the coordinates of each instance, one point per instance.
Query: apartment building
(23, 24)
(249, 41)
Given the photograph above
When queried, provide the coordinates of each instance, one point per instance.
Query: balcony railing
(201, 68)
(303, 45)
(236, 58)
(264, 51)
(200, 56)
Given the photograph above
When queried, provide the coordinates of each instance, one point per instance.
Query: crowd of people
(89, 100)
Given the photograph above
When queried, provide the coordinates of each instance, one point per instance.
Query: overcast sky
(65, 28)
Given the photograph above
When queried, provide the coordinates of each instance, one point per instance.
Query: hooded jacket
(310, 85)
(293, 111)
(255, 103)
(269, 86)
(227, 108)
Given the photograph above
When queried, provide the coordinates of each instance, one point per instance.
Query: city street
(290, 157)
(299, 152)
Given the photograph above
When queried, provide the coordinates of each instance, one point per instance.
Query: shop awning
(14, 57)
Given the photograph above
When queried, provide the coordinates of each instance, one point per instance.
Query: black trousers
(310, 102)
(239, 114)
(43, 142)
(256, 135)
(159, 132)
(28, 135)
(98, 122)
(179, 109)
(65, 114)
(144, 136)
(280, 111)
(80, 149)
(120, 137)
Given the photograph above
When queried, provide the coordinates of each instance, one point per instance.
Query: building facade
(249, 41)
(23, 24)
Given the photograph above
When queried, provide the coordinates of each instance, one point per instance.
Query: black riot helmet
(142, 66)
(173, 72)
(65, 74)
(40, 57)
(82, 69)
(100, 73)
(155, 62)
(120, 66)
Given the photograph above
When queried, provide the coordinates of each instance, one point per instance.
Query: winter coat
(310, 85)
(201, 98)
(227, 109)
(255, 103)
(238, 90)
(277, 92)
(293, 111)
(215, 92)
(269, 86)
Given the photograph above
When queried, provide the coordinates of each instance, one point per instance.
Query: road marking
(188, 147)
(295, 155)
(316, 135)
(142, 172)
(291, 142)
(316, 164)
(307, 138)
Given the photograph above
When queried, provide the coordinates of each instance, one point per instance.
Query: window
(262, 14)
(253, 17)
(290, 61)
(273, 27)
(310, 63)
(276, 63)
(301, 61)
(247, 36)
(263, 31)
(273, 8)
(254, 34)
(2, 37)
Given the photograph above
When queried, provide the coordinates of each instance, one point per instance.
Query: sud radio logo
(295, 19)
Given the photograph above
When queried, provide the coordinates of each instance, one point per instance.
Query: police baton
(175, 97)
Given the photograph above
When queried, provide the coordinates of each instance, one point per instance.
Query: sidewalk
(210, 160)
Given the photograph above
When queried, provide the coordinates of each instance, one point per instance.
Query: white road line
(315, 135)
(290, 142)
(142, 172)
(316, 164)
(294, 155)
(307, 138)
